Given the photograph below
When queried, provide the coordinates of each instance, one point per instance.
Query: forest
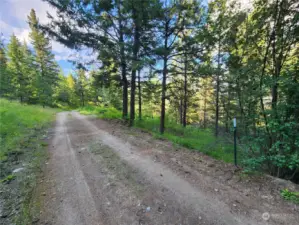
(173, 63)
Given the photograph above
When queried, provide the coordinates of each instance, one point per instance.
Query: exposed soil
(101, 172)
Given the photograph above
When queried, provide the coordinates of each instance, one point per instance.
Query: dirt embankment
(101, 172)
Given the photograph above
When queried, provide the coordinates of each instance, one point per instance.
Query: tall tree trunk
(181, 111)
(228, 108)
(240, 101)
(123, 64)
(134, 67)
(217, 91)
(261, 90)
(82, 98)
(132, 102)
(205, 113)
(162, 119)
(139, 96)
(163, 96)
(276, 31)
(185, 93)
(125, 90)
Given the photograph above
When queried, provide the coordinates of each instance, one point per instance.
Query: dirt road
(100, 172)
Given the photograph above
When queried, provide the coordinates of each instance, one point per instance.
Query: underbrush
(190, 137)
(101, 112)
(22, 155)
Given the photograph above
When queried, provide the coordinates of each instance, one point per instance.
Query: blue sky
(13, 19)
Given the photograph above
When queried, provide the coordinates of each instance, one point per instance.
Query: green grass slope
(18, 121)
(23, 134)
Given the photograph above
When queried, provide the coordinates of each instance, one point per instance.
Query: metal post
(235, 141)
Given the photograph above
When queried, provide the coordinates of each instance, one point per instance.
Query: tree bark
(123, 65)
(185, 93)
(132, 102)
(217, 92)
(134, 67)
(205, 113)
(165, 59)
(162, 119)
(181, 111)
(261, 90)
(276, 64)
(125, 84)
(82, 98)
(139, 97)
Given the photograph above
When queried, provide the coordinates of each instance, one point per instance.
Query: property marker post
(235, 140)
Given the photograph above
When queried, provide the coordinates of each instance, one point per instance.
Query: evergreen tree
(29, 69)
(174, 17)
(47, 68)
(143, 14)
(107, 32)
(217, 20)
(18, 77)
(5, 83)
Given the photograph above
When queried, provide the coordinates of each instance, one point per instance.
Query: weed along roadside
(191, 137)
(24, 139)
(198, 140)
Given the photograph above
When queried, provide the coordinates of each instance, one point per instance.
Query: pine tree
(18, 76)
(217, 21)
(107, 33)
(143, 15)
(174, 18)
(5, 83)
(29, 69)
(47, 68)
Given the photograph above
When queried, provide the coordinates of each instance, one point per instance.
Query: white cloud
(23, 35)
(7, 30)
(13, 19)
(13, 16)
(21, 8)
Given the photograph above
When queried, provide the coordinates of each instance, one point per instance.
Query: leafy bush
(277, 154)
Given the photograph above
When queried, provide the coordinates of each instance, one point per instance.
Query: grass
(8, 178)
(22, 128)
(17, 121)
(101, 112)
(190, 137)
(290, 196)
